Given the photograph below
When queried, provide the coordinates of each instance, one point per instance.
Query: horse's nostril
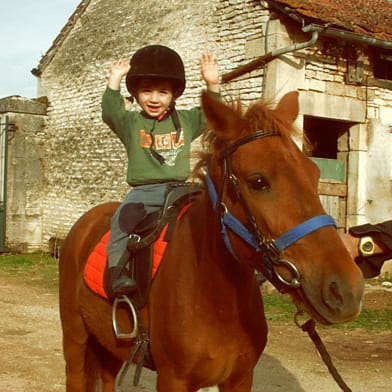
(333, 296)
(335, 293)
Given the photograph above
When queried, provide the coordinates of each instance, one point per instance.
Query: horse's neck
(198, 269)
(213, 254)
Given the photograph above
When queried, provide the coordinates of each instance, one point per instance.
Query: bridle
(269, 249)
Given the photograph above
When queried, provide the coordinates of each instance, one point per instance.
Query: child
(157, 140)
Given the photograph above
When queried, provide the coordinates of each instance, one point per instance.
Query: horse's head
(261, 178)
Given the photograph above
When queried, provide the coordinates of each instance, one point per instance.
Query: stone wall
(369, 105)
(83, 164)
(87, 163)
(26, 173)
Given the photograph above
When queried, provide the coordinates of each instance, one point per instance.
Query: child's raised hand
(210, 71)
(120, 67)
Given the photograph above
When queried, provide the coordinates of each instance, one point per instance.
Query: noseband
(270, 250)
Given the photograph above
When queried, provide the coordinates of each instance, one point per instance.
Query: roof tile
(367, 17)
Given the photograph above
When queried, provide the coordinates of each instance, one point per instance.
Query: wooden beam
(331, 188)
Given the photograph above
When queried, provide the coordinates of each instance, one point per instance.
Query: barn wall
(87, 163)
(84, 164)
(320, 74)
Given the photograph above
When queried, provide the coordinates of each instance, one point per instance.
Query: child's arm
(118, 69)
(210, 72)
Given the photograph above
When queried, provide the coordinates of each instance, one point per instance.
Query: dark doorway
(323, 136)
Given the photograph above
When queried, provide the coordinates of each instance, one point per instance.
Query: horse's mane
(259, 116)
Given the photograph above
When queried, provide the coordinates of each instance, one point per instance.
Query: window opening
(323, 136)
(383, 67)
(328, 146)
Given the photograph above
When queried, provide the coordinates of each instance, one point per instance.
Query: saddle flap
(178, 196)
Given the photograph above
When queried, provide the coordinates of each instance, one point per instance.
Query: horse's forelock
(259, 116)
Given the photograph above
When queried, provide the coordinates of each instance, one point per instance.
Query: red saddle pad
(96, 262)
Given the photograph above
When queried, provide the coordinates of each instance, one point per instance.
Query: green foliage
(36, 269)
(371, 320)
(280, 308)
(42, 270)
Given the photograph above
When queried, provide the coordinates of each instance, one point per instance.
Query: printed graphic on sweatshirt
(166, 144)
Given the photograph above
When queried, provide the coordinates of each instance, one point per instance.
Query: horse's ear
(288, 106)
(222, 119)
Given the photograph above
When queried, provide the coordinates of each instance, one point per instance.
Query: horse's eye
(258, 183)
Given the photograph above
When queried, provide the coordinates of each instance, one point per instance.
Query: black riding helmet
(156, 61)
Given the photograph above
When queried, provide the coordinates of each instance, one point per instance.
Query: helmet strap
(176, 122)
(153, 151)
(171, 110)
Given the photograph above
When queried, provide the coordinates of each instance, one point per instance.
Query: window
(323, 136)
(383, 67)
(328, 148)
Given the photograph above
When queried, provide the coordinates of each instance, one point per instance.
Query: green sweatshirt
(133, 129)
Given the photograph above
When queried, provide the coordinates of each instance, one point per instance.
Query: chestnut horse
(204, 315)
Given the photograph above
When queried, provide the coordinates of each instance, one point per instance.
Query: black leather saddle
(140, 244)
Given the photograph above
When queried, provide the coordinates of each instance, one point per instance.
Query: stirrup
(118, 333)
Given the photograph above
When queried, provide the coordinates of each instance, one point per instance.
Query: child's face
(154, 96)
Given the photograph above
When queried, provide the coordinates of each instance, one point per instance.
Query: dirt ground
(31, 355)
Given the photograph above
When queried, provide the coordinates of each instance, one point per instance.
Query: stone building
(336, 54)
